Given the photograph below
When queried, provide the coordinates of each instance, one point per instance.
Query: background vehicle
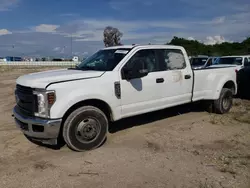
(202, 62)
(238, 61)
(8, 58)
(75, 59)
(197, 62)
(114, 83)
(242, 66)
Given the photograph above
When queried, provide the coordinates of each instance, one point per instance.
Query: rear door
(178, 77)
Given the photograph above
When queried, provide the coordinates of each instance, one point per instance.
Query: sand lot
(179, 147)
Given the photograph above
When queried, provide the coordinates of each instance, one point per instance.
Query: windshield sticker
(121, 51)
(238, 58)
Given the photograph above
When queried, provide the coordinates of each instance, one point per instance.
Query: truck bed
(206, 79)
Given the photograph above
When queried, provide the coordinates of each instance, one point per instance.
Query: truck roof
(141, 45)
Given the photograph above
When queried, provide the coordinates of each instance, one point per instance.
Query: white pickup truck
(240, 61)
(78, 104)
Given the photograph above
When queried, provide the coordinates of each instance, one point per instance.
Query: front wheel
(85, 128)
(225, 101)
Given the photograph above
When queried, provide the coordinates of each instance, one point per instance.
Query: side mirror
(139, 70)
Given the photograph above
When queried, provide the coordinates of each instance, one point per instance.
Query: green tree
(111, 36)
(194, 47)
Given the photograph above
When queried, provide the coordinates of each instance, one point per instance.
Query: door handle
(159, 80)
(187, 76)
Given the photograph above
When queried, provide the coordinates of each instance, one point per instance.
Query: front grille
(26, 100)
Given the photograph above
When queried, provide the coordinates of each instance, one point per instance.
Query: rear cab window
(172, 59)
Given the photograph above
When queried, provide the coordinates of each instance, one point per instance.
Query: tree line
(194, 47)
(112, 37)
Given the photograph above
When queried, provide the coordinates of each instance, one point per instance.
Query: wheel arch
(102, 105)
(230, 85)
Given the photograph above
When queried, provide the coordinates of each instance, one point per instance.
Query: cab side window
(148, 56)
(174, 59)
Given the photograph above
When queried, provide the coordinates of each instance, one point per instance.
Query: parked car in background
(2, 59)
(75, 59)
(240, 61)
(242, 67)
(202, 62)
(9, 58)
(197, 62)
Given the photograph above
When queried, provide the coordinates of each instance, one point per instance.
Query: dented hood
(42, 79)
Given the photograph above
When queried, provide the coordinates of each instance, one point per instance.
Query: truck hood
(42, 79)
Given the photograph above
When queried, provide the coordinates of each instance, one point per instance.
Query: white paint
(75, 59)
(42, 79)
(138, 96)
(176, 76)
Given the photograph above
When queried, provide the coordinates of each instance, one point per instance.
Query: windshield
(104, 60)
(229, 60)
(198, 61)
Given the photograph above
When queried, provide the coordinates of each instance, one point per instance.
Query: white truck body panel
(42, 79)
(141, 95)
(209, 82)
(137, 95)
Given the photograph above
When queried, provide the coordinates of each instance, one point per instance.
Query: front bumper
(37, 128)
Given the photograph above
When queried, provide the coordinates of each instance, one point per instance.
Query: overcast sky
(45, 27)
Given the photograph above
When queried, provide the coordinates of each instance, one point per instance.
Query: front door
(142, 95)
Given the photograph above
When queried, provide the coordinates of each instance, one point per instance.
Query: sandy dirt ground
(179, 147)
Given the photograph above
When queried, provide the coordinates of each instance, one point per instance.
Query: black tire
(225, 101)
(78, 127)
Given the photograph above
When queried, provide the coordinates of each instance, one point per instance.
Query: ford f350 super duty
(78, 103)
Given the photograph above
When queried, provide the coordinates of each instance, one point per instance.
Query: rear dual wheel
(85, 128)
(225, 101)
(222, 105)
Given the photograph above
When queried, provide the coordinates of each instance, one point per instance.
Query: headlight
(45, 99)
